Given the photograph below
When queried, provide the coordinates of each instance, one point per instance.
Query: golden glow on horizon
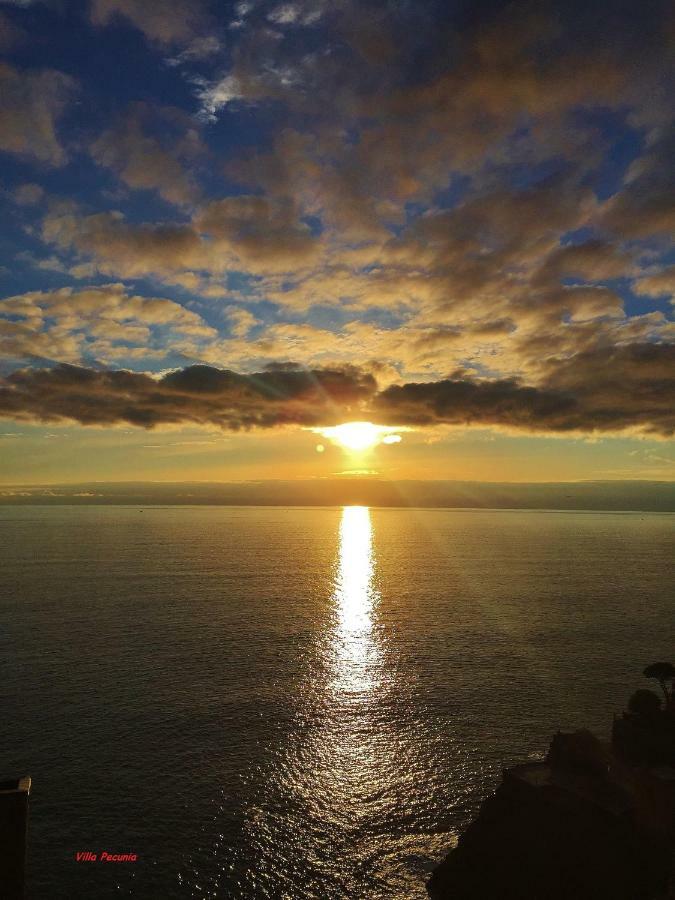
(359, 436)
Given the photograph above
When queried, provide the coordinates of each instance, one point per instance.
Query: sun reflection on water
(356, 654)
(340, 786)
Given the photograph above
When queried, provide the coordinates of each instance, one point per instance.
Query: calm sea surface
(302, 703)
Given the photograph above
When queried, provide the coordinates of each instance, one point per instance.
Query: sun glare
(359, 436)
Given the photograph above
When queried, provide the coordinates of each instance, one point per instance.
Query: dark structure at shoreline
(14, 793)
(593, 820)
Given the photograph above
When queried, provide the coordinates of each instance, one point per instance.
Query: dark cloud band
(199, 395)
(603, 390)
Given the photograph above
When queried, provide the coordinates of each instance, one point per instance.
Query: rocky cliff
(592, 820)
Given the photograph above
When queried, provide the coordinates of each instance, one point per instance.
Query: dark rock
(581, 825)
(645, 739)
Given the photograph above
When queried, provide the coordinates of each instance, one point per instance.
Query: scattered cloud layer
(103, 322)
(473, 206)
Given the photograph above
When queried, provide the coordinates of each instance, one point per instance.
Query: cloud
(101, 322)
(483, 284)
(411, 99)
(259, 230)
(461, 402)
(233, 87)
(607, 391)
(28, 194)
(251, 233)
(240, 320)
(200, 48)
(165, 21)
(286, 14)
(465, 194)
(645, 207)
(305, 12)
(595, 260)
(144, 160)
(199, 395)
(604, 390)
(31, 102)
(660, 284)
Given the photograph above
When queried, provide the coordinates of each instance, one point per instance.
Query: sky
(228, 228)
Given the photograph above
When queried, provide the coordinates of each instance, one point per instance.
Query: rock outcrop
(593, 820)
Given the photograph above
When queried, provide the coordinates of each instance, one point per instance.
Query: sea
(302, 702)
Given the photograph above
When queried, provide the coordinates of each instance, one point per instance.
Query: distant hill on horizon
(648, 496)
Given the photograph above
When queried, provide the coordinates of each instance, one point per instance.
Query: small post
(14, 794)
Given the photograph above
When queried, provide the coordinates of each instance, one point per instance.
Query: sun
(359, 436)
